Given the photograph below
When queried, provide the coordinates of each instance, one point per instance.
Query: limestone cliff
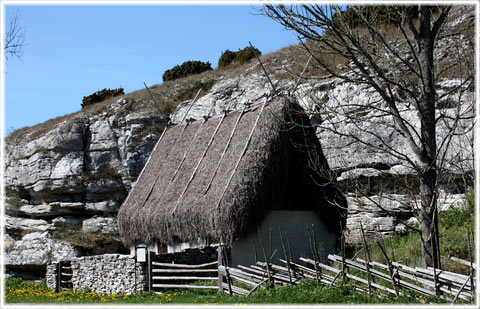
(75, 171)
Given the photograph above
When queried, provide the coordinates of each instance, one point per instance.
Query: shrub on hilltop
(185, 69)
(101, 95)
(240, 56)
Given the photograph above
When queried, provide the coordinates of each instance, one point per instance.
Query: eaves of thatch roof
(214, 179)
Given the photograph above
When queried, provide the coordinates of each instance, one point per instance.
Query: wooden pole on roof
(242, 153)
(199, 162)
(171, 148)
(155, 101)
(301, 75)
(264, 70)
(205, 119)
(191, 104)
(148, 160)
(226, 147)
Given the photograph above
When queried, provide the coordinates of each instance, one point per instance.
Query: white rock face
(79, 166)
(38, 249)
(103, 225)
(25, 224)
(228, 94)
(70, 222)
(8, 242)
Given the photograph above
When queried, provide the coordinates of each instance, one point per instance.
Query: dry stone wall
(103, 274)
(121, 274)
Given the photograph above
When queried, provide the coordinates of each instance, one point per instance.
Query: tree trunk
(427, 164)
(429, 220)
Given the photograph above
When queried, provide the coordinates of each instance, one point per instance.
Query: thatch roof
(189, 192)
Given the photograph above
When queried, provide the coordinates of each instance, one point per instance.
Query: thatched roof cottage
(226, 178)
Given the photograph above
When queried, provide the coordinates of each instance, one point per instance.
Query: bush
(226, 58)
(246, 54)
(241, 56)
(101, 95)
(189, 93)
(187, 68)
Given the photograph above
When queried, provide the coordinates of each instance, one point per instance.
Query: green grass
(453, 226)
(307, 292)
(12, 198)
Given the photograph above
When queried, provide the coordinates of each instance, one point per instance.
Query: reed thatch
(173, 202)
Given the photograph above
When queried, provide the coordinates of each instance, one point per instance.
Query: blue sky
(73, 51)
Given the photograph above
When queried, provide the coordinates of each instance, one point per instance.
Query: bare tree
(14, 37)
(392, 51)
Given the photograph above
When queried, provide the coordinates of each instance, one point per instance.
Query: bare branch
(14, 37)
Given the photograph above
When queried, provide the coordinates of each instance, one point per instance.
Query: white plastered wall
(294, 223)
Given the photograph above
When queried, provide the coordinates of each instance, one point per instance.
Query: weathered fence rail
(384, 279)
(181, 276)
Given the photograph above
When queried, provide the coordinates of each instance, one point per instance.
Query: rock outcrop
(37, 249)
(75, 173)
(82, 167)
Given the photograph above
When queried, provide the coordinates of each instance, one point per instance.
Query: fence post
(390, 267)
(149, 271)
(367, 258)
(470, 257)
(220, 263)
(58, 288)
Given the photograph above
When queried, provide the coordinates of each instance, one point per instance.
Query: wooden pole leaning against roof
(171, 149)
(191, 104)
(226, 147)
(301, 75)
(263, 68)
(153, 98)
(199, 162)
(205, 119)
(148, 160)
(242, 153)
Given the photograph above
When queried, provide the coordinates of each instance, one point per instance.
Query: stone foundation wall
(104, 274)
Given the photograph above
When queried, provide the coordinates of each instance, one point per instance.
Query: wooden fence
(366, 276)
(181, 276)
